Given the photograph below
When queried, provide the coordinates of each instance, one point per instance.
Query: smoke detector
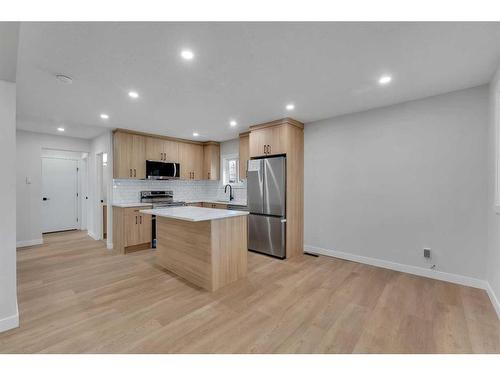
(64, 79)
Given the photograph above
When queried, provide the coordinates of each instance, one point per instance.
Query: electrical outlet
(427, 253)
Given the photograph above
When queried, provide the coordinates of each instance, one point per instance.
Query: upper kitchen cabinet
(211, 161)
(162, 149)
(129, 151)
(244, 153)
(267, 140)
(191, 161)
(198, 160)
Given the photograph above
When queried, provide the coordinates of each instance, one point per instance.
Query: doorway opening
(64, 190)
(102, 195)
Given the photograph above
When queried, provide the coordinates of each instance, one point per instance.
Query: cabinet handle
(136, 220)
(268, 149)
(131, 173)
(135, 173)
(209, 175)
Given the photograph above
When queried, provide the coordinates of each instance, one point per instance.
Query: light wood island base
(209, 254)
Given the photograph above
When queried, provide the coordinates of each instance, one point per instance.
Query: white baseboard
(109, 245)
(10, 322)
(414, 270)
(493, 298)
(29, 243)
(92, 235)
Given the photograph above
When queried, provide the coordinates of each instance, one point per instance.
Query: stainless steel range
(163, 198)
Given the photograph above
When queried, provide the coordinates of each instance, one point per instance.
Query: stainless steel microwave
(162, 170)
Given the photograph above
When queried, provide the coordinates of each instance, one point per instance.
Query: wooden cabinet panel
(162, 149)
(267, 141)
(121, 150)
(129, 156)
(211, 161)
(244, 154)
(186, 160)
(131, 229)
(154, 148)
(131, 222)
(145, 228)
(171, 150)
(191, 160)
(198, 162)
(137, 157)
(222, 206)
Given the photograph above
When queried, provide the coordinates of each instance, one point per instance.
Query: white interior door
(59, 194)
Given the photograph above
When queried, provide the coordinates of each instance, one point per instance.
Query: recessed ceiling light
(104, 116)
(385, 79)
(133, 94)
(187, 54)
(60, 129)
(233, 123)
(195, 134)
(64, 79)
(290, 107)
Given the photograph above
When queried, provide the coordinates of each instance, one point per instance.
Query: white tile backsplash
(128, 191)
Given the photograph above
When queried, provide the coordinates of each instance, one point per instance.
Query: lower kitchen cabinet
(215, 205)
(132, 230)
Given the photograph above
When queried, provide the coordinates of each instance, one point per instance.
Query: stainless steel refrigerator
(266, 199)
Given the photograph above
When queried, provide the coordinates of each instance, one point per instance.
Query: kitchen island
(205, 246)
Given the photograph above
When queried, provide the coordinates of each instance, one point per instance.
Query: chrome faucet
(230, 191)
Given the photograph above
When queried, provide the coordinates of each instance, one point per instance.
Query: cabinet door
(131, 228)
(154, 149)
(257, 143)
(171, 151)
(211, 162)
(186, 160)
(145, 234)
(138, 156)
(275, 140)
(198, 162)
(267, 141)
(122, 148)
(244, 155)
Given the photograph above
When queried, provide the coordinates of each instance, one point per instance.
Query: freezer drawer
(267, 234)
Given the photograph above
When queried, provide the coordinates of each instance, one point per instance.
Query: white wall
(493, 259)
(29, 150)
(383, 184)
(100, 144)
(9, 317)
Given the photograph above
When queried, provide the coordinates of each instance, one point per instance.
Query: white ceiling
(245, 71)
(8, 50)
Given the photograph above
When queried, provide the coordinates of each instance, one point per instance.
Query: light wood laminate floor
(76, 296)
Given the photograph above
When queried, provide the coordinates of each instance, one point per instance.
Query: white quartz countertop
(194, 213)
(232, 203)
(128, 205)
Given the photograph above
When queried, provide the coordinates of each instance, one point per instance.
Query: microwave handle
(175, 170)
